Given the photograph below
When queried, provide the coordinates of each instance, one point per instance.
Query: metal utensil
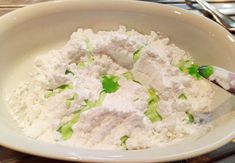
(221, 77)
(208, 9)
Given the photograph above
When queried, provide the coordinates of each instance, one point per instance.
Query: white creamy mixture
(112, 90)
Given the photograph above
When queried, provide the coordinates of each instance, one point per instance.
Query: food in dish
(112, 90)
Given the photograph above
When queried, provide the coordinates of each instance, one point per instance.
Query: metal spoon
(220, 18)
(221, 77)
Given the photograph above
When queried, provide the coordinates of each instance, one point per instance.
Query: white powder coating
(122, 112)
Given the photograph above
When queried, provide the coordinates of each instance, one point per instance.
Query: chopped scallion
(189, 118)
(123, 140)
(129, 76)
(67, 71)
(153, 101)
(182, 96)
(137, 53)
(206, 71)
(69, 101)
(190, 68)
(66, 130)
(61, 88)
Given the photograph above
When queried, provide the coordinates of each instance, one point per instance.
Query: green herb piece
(89, 104)
(129, 76)
(67, 71)
(98, 102)
(64, 87)
(137, 53)
(190, 68)
(110, 83)
(193, 71)
(123, 140)
(189, 118)
(81, 65)
(137, 82)
(50, 93)
(69, 101)
(100, 99)
(206, 71)
(182, 96)
(90, 59)
(66, 130)
(184, 65)
(153, 101)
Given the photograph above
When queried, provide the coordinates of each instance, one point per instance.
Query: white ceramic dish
(27, 32)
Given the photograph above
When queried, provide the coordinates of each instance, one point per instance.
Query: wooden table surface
(225, 154)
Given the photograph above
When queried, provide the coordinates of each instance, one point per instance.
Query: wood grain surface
(225, 154)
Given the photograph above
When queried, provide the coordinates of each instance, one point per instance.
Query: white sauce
(122, 112)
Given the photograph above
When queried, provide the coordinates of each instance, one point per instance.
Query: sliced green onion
(67, 71)
(50, 93)
(153, 101)
(206, 71)
(193, 71)
(129, 76)
(189, 118)
(100, 99)
(190, 68)
(182, 96)
(89, 104)
(69, 101)
(137, 53)
(123, 140)
(183, 65)
(66, 130)
(81, 65)
(64, 87)
(61, 88)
